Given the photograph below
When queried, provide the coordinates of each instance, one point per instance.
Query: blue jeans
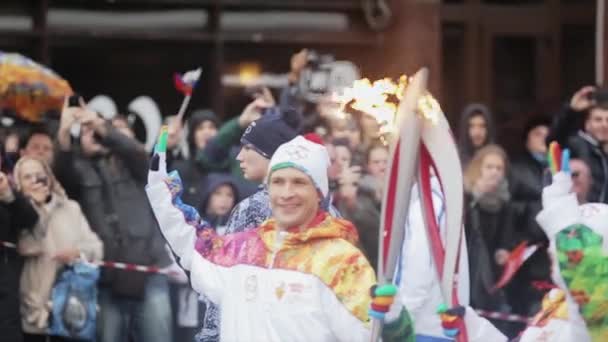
(124, 319)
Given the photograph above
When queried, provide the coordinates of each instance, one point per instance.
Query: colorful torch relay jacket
(418, 281)
(272, 285)
(580, 263)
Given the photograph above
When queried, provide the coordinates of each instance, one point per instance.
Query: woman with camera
(61, 236)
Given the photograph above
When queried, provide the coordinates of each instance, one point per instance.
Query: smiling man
(298, 276)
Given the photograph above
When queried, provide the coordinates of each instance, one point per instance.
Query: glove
(398, 325)
(451, 319)
(158, 163)
(158, 168)
(382, 299)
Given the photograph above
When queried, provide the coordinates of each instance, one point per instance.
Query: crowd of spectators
(64, 197)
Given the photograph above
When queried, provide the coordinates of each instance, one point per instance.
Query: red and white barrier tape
(132, 267)
(7, 244)
(504, 316)
(112, 264)
(153, 269)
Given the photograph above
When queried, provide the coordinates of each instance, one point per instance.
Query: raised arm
(22, 213)
(216, 154)
(130, 151)
(568, 119)
(191, 239)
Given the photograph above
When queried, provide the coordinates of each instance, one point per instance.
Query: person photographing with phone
(110, 170)
(16, 215)
(582, 126)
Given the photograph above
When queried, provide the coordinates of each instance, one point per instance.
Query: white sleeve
(206, 277)
(180, 235)
(480, 329)
(345, 326)
(560, 206)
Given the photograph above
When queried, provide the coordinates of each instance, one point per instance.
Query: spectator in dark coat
(527, 174)
(202, 127)
(112, 173)
(476, 131)
(16, 215)
(582, 126)
(360, 199)
(490, 228)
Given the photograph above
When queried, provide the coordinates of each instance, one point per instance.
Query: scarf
(494, 201)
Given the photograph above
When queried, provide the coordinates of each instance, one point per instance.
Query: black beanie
(534, 122)
(268, 133)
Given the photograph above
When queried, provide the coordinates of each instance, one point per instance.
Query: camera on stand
(324, 75)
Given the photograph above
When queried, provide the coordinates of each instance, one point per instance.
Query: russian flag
(186, 82)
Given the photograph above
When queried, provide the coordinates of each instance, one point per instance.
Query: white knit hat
(307, 156)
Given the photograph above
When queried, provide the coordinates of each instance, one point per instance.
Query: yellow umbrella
(28, 88)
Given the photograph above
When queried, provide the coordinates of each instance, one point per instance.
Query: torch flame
(379, 99)
(429, 108)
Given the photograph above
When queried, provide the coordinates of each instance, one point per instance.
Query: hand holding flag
(559, 161)
(185, 84)
(515, 260)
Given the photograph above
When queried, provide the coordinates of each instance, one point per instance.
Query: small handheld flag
(516, 259)
(185, 84)
(558, 159)
(554, 157)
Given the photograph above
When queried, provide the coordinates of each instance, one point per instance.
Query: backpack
(74, 298)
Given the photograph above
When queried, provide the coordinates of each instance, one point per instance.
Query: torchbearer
(578, 246)
(298, 277)
(422, 246)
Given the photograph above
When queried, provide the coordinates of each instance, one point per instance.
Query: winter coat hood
(465, 145)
